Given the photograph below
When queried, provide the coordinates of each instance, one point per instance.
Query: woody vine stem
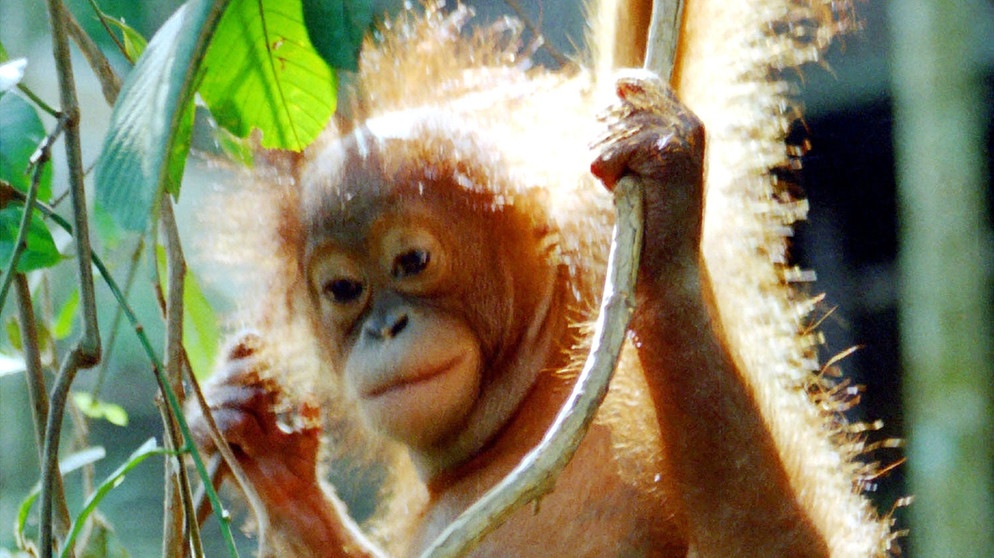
(536, 474)
(86, 352)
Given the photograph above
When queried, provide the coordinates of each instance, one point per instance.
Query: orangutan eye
(343, 290)
(410, 263)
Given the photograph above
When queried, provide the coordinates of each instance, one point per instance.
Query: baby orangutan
(444, 254)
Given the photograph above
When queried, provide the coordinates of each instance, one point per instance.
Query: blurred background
(907, 271)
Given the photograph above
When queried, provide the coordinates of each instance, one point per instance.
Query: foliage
(40, 251)
(262, 73)
(20, 135)
(256, 71)
(91, 407)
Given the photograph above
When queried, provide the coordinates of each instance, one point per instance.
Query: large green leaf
(336, 28)
(261, 72)
(149, 117)
(21, 131)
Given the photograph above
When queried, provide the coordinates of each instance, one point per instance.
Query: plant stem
(664, 36)
(20, 243)
(110, 83)
(103, 21)
(89, 344)
(178, 484)
(171, 399)
(36, 384)
(86, 352)
(115, 325)
(37, 100)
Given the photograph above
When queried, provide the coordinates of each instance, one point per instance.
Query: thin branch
(223, 464)
(37, 100)
(171, 306)
(115, 325)
(110, 83)
(173, 310)
(103, 22)
(664, 36)
(36, 384)
(50, 454)
(89, 344)
(20, 242)
(157, 367)
(218, 470)
(177, 488)
(32, 356)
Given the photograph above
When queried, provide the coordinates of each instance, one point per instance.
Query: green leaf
(138, 155)
(63, 321)
(179, 150)
(13, 328)
(111, 412)
(23, 511)
(261, 72)
(41, 251)
(20, 135)
(149, 448)
(235, 148)
(336, 28)
(134, 42)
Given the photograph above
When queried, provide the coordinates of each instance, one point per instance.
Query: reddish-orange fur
(493, 162)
